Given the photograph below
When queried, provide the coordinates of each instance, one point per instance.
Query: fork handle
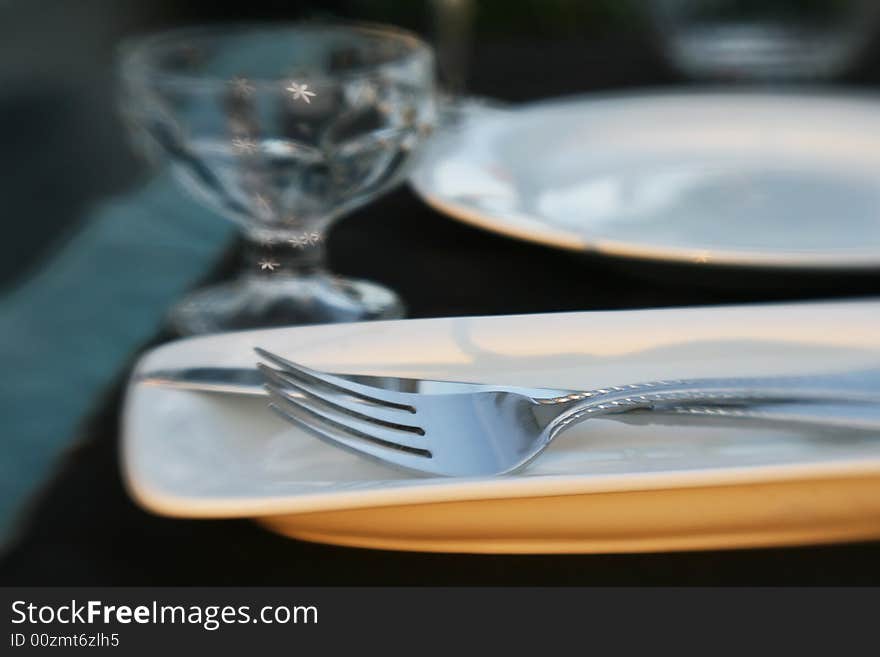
(863, 387)
(816, 416)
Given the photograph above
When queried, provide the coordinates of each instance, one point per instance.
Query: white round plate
(749, 179)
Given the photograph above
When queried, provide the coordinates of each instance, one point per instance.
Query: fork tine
(369, 394)
(377, 454)
(389, 439)
(392, 419)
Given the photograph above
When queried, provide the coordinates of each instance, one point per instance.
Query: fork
(495, 432)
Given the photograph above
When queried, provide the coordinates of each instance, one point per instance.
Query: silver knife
(249, 382)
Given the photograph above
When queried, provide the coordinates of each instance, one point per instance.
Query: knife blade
(249, 382)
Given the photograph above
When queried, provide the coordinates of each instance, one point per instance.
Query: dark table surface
(83, 528)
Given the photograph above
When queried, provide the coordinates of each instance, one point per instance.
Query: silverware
(251, 382)
(497, 431)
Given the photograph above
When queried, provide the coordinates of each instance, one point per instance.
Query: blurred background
(65, 148)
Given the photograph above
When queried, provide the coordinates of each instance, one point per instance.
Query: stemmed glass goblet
(282, 129)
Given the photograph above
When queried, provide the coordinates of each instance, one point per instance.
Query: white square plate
(604, 486)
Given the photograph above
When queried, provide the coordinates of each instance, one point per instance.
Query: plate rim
(465, 490)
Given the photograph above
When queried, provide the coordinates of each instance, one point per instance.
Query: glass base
(271, 301)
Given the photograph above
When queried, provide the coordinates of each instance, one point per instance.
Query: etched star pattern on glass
(282, 130)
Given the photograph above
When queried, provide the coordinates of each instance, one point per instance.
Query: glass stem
(290, 259)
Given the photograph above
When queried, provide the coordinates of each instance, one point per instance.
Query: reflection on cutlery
(251, 382)
(497, 431)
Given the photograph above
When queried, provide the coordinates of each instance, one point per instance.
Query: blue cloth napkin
(65, 333)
